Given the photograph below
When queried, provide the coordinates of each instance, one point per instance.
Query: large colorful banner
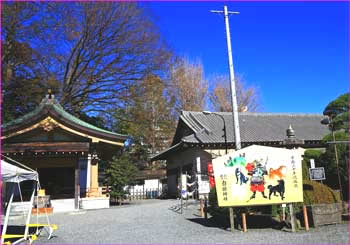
(259, 175)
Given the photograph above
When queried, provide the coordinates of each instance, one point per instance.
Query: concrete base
(63, 205)
(94, 202)
(19, 208)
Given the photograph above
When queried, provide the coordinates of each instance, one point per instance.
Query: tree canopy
(90, 53)
(338, 111)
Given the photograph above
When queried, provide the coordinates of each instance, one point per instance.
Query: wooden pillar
(94, 179)
(77, 186)
(232, 221)
(205, 207)
(292, 217)
(306, 220)
(244, 222)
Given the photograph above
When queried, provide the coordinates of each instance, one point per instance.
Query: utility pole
(232, 77)
(233, 92)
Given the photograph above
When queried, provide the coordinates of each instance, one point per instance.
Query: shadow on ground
(253, 222)
(17, 230)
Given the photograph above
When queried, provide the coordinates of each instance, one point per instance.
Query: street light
(328, 121)
(224, 129)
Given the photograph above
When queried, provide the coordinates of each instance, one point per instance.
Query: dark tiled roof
(254, 127)
(166, 152)
(258, 128)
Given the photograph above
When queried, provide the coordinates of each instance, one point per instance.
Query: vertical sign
(312, 163)
(198, 159)
(184, 185)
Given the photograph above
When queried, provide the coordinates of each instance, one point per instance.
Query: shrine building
(65, 151)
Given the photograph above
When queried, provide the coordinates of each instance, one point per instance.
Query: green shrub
(317, 193)
(314, 193)
(213, 208)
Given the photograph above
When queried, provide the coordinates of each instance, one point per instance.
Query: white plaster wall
(149, 184)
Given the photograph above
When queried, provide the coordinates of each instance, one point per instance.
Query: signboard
(317, 173)
(258, 175)
(203, 184)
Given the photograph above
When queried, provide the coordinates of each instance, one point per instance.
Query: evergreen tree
(338, 115)
(120, 173)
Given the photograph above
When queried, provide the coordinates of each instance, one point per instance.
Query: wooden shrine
(65, 150)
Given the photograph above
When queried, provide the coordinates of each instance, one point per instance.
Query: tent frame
(26, 230)
(26, 235)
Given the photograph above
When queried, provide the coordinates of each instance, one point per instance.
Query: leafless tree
(220, 97)
(151, 114)
(188, 85)
(112, 45)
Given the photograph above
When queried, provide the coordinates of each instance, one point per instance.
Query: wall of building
(185, 161)
(218, 152)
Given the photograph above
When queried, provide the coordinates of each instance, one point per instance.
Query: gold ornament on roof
(48, 124)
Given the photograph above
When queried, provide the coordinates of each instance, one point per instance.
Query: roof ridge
(278, 114)
(261, 113)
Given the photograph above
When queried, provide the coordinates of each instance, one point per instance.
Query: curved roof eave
(50, 108)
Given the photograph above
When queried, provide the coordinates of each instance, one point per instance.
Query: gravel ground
(158, 222)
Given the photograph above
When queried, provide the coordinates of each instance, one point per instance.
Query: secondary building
(208, 135)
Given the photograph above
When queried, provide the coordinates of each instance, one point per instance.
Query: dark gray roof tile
(254, 127)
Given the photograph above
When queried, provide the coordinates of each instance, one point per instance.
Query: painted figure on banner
(257, 181)
(258, 175)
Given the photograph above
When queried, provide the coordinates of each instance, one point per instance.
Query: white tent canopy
(11, 173)
(14, 174)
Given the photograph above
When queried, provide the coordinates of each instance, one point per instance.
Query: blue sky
(295, 53)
